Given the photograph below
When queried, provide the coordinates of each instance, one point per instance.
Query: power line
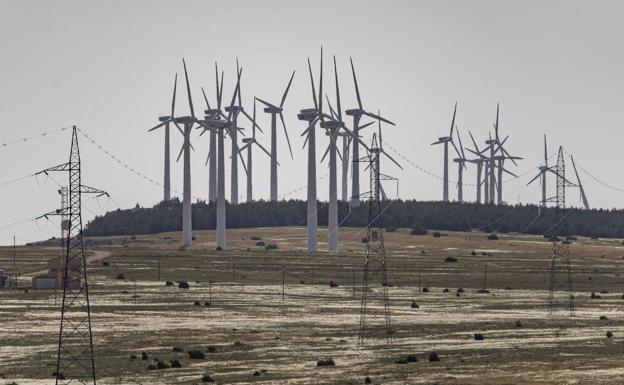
(26, 139)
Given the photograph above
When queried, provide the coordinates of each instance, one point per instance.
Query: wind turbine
(312, 116)
(248, 145)
(461, 163)
(580, 185)
(187, 122)
(274, 111)
(445, 140)
(213, 114)
(542, 174)
(220, 126)
(480, 161)
(355, 165)
(166, 121)
(500, 159)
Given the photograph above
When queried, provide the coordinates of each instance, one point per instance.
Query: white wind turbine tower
(249, 142)
(220, 126)
(461, 164)
(187, 122)
(479, 161)
(166, 121)
(445, 140)
(274, 111)
(357, 116)
(542, 175)
(211, 114)
(312, 116)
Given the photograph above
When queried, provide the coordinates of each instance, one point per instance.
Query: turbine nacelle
(233, 108)
(184, 119)
(331, 124)
(307, 114)
(272, 110)
(164, 118)
(248, 140)
(355, 112)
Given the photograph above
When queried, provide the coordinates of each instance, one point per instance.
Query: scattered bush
(270, 247)
(401, 361)
(196, 355)
(176, 349)
(603, 318)
(425, 290)
(450, 259)
(368, 380)
(207, 378)
(256, 373)
(446, 290)
(133, 357)
(219, 248)
(326, 362)
(364, 240)
(144, 356)
(414, 305)
(206, 303)
(436, 234)
(197, 303)
(333, 284)
(473, 252)
(478, 337)
(211, 349)
(162, 365)
(460, 290)
(595, 296)
(175, 364)
(121, 276)
(184, 285)
(151, 367)
(417, 229)
(518, 324)
(483, 291)
(169, 283)
(412, 358)
(609, 334)
(255, 238)
(105, 263)
(260, 244)
(391, 229)
(58, 376)
(433, 357)
(604, 292)
(492, 237)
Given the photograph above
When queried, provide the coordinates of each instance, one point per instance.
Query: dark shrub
(162, 365)
(260, 244)
(436, 234)
(219, 248)
(197, 303)
(270, 247)
(412, 358)
(603, 318)
(609, 334)
(445, 290)
(196, 355)
(58, 376)
(133, 357)
(367, 380)
(478, 337)
(492, 237)
(256, 373)
(401, 361)
(121, 276)
(364, 240)
(425, 290)
(450, 259)
(483, 291)
(169, 283)
(518, 324)
(183, 285)
(151, 367)
(105, 263)
(414, 305)
(326, 362)
(207, 378)
(333, 284)
(255, 238)
(433, 357)
(206, 303)
(595, 296)
(175, 364)
(417, 229)
(176, 349)
(144, 356)
(211, 349)
(460, 290)
(473, 252)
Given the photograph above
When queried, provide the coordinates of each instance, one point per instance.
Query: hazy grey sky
(108, 67)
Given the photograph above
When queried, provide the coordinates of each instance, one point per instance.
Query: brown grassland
(249, 328)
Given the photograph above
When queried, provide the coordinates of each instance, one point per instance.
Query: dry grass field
(251, 335)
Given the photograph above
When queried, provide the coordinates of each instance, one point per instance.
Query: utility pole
(75, 360)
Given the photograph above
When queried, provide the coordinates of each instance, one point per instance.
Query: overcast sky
(108, 67)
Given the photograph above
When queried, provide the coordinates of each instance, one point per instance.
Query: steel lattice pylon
(560, 250)
(375, 305)
(75, 360)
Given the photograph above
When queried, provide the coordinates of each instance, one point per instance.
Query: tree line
(434, 215)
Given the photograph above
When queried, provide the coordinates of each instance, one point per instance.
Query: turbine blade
(312, 83)
(377, 117)
(205, 98)
(473, 142)
(545, 152)
(266, 103)
(539, 174)
(357, 89)
(326, 152)
(338, 107)
(287, 88)
(159, 125)
(188, 90)
(453, 120)
(331, 110)
(392, 159)
(175, 87)
(265, 150)
(286, 133)
(320, 95)
(180, 154)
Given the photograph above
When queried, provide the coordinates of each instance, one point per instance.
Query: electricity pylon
(375, 306)
(75, 362)
(560, 250)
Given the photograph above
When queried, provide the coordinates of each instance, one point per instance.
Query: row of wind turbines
(222, 121)
(489, 161)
